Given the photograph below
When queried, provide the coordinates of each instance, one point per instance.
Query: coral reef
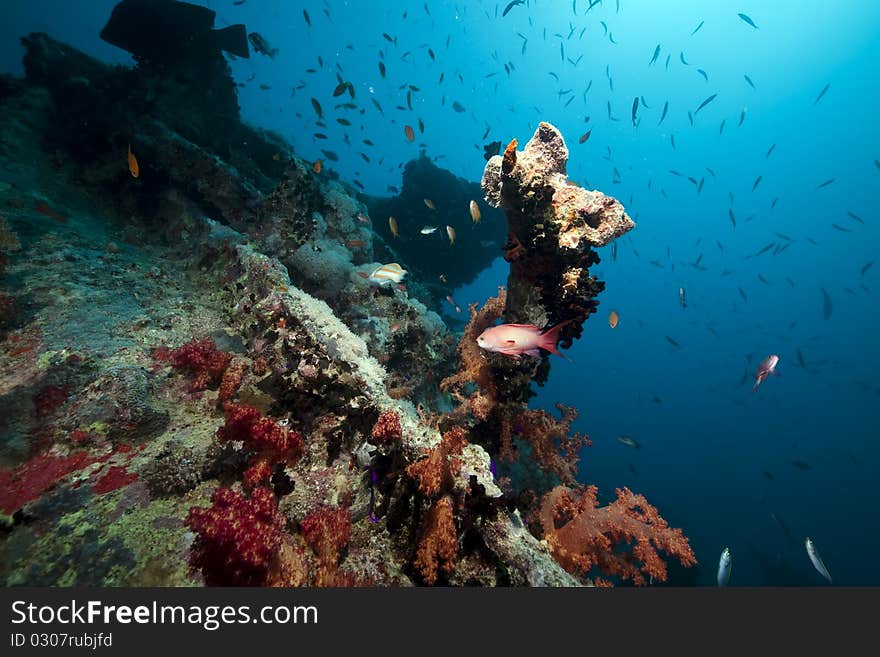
(199, 384)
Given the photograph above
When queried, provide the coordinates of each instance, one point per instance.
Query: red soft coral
(260, 434)
(620, 539)
(237, 538)
(387, 428)
(201, 359)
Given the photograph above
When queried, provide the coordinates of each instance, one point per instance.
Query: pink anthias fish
(765, 369)
(516, 339)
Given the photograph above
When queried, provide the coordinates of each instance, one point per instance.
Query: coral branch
(620, 539)
(552, 447)
(260, 434)
(437, 472)
(438, 547)
(199, 358)
(387, 428)
(474, 367)
(236, 538)
(327, 531)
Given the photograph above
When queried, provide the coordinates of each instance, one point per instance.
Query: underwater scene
(476, 293)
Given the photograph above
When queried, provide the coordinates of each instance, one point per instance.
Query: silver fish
(427, 230)
(724, 566)
(813, 553)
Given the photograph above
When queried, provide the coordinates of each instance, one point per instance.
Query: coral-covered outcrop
(554, 226)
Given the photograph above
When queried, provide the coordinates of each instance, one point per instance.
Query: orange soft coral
(474, 366)
(438, 547)
(437, 472)
(327, 531)
(552, 447)
(620, 539)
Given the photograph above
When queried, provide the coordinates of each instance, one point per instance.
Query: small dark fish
(768, 475)
(697, 29)
(317, 106)
(656, 55)
(770, 150)
(691, 118)
(343, 121)
(749, 80)
(721, 127)
(840, 228)
(703, 73)
(822, 93)
(706, 102)
(747, 20)
(826, 304)
(757, 182)
(645, 103)
(672, 342)
(853, 215)
(742, 117)
(732, 217)
(635, 110)
(458, 107)
(866, 267)
(382, 70)
(801, 465)
(584, 137)
(663, 113)
(511, 5)
(743, 294)
(763, 280)
(683, 60)
(826, 183)
(330, 155)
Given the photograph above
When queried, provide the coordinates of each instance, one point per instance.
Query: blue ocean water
(753, 472)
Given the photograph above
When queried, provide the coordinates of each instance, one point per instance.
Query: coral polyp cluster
(237, 537)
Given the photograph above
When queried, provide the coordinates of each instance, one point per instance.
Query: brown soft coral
(474, 367)
(620, 539)
(552, 447)
(438, 547)
(443, 464)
